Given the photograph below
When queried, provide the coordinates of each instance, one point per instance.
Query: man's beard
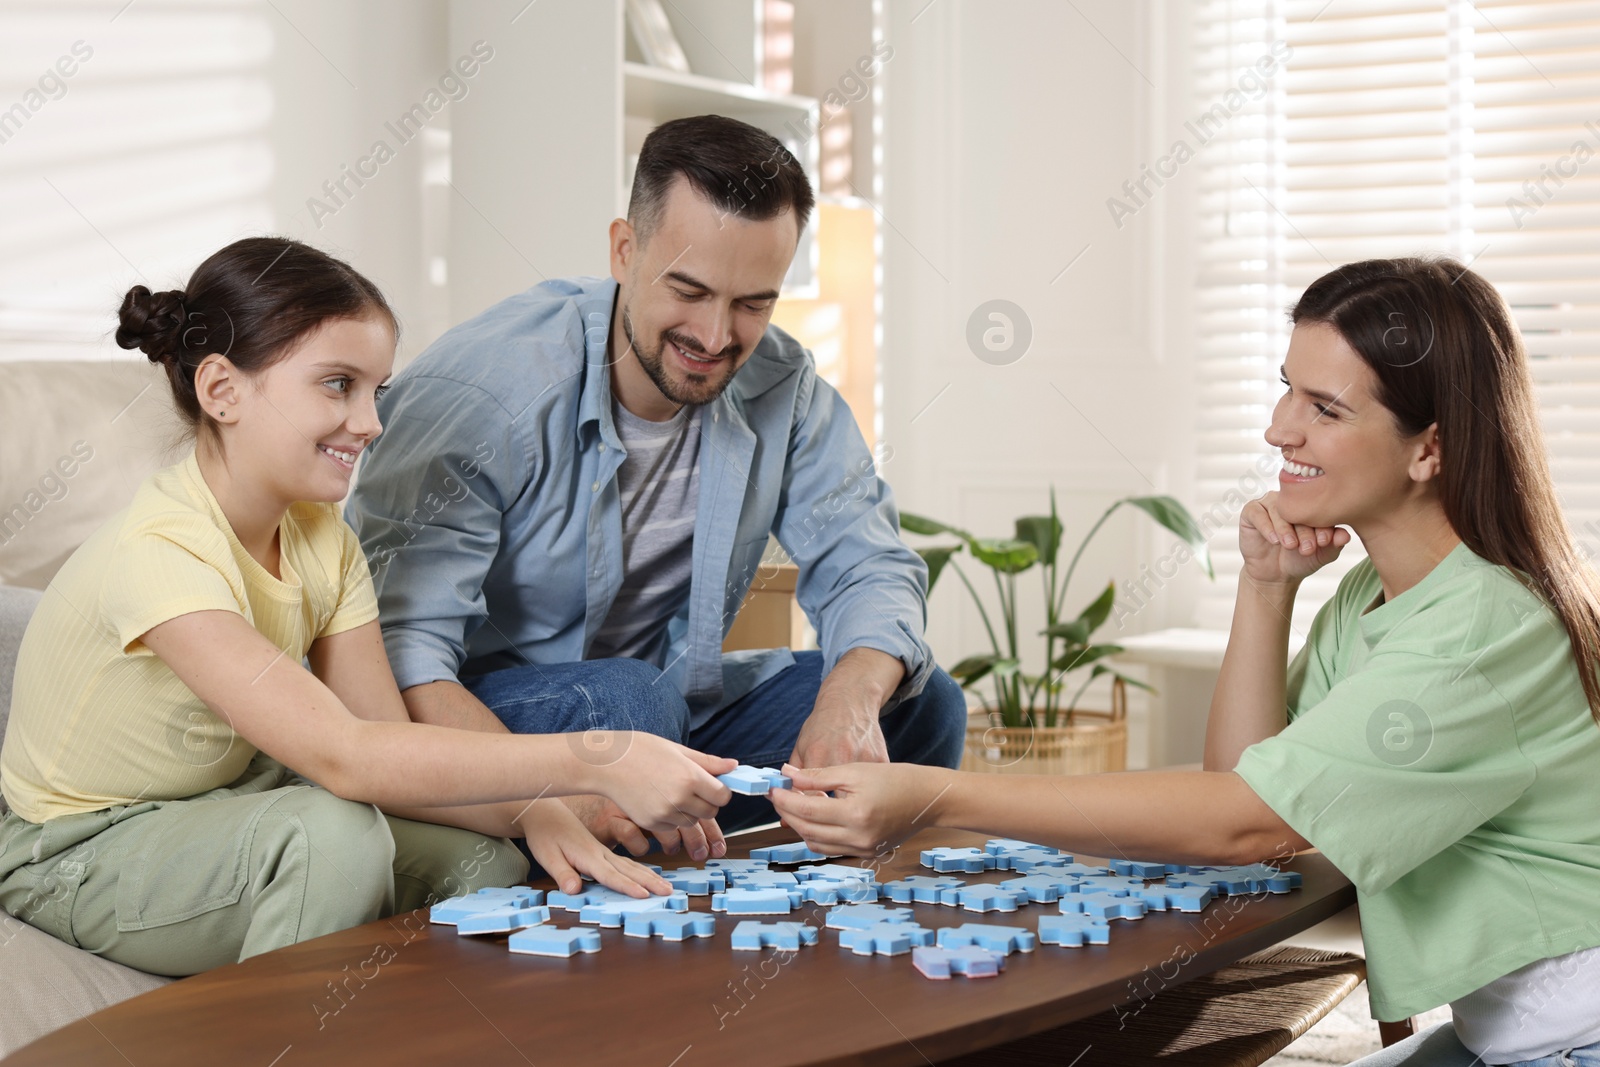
(698, 388)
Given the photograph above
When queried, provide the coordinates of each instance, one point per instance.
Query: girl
(1435, 738)
(160, 696)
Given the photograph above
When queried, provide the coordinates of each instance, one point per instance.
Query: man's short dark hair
(745, 171)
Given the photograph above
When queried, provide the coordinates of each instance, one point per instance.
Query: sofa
(76, 439)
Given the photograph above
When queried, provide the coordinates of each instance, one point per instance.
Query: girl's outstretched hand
(661, 785)
(1276, 550)
(874, 806)
(565, 848)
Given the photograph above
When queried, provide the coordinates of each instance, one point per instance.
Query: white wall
(1007, 128)
(342, 74)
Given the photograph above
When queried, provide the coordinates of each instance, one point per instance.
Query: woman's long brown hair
(1445, 350)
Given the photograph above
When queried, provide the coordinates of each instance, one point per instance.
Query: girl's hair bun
(152, 323)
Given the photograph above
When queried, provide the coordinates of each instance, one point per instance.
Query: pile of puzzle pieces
(870, 917)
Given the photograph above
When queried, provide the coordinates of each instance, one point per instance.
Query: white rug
(1346, 1034)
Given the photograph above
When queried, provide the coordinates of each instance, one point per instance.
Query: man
(574, 489)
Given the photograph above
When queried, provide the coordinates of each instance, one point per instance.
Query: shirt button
(595, 488)
(602, 448)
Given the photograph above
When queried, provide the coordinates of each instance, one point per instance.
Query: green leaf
(936, 558)
(974, 668)
(1103, 669)
(1076, 631)
(1043, 532)
(1084, 656)
(1175, 517)
(1005, 668)
(917, 524)
(1004, 555)
(1096, 613)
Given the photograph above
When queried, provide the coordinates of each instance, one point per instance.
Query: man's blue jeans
(760, 729)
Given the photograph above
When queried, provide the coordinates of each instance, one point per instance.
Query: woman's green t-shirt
(1441, 753)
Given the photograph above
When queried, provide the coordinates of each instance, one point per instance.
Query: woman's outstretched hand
(1278, 551)
(873, 808)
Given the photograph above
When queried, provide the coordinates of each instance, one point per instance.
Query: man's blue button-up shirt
(489, 511)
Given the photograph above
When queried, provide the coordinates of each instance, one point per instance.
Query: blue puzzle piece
(449, 912)
(1140, 869)
(782, 936)
(885, 939)
(922, 889)
(831, 891)
(520, 894)
(611, 912)
(777, 901)
(1076, 871)
(949, 860)
(1117, 887)
(1103, 906)
(835, 870)
(729, 866)
(1045, 887)
(861, 916)
(1029, 859)
(590, 895)
(852, 891)
(1002, 939)
(754, 781)
(554, 941)
(1073, 930)
(1250, 878)
(971, 961)
(988, 898)
(997, 845)
(502, 920)
(1177, 898)
(795, 853)
(695, 881)
(669, 926)
(761, 880)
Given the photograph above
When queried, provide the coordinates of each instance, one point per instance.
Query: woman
(160, 693)
(1436, 738)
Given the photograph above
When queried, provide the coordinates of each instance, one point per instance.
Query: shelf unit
(540, 151)
(653, 95)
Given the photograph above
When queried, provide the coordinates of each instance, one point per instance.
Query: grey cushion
(49, 984)
(16, 605)
(78, 437)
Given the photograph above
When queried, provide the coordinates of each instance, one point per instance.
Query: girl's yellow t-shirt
(97, 719)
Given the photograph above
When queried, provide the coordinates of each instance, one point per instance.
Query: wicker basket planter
(1096, 741)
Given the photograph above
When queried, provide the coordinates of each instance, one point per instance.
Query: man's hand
(610, 826)
(843, 726)
(839, 733)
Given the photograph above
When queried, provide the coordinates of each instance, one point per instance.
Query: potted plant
(1028, 727)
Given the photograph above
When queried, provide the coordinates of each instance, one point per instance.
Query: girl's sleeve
(161, 571)
(358, 603)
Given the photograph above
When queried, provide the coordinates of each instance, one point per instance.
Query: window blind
(1390, 129)
(134, 140)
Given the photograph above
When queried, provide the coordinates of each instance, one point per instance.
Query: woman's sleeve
(1396, 763)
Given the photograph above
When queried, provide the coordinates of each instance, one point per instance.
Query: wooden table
(399, 991)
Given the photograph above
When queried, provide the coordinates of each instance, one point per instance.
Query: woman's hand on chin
(1276, 550)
